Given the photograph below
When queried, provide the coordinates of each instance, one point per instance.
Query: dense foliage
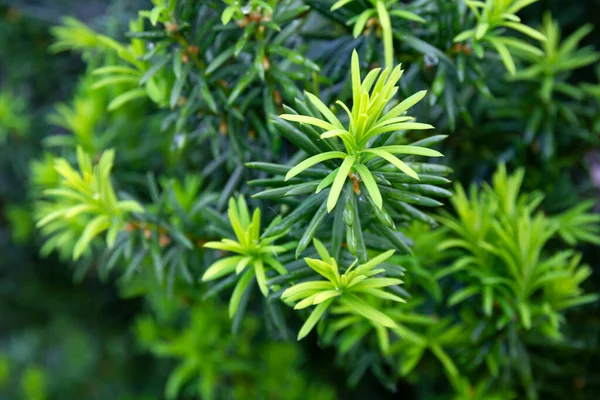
(293, 159)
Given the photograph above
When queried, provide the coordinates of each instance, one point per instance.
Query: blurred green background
(58, 338)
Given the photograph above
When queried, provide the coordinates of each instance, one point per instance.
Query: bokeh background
(70, 335)
(60, 337)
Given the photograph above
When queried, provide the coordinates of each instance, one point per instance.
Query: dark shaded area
(77, 332)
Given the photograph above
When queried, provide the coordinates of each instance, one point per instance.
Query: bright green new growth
(507, 260)
(353, 288)
(493, 17)
(75, 35)
(87, 195)
(368, 120)
(254, 252)
(381, 10)
(137, 76)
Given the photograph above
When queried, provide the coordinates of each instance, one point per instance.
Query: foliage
(215, 364)
(75, 35)
(83, 199)
(380, 9)
(510, 272)
(283, 104)
(254, 253)
(549, 72)
(366, 123)
(354, 288)
(493, 17)
(558, 58)
(369, 144)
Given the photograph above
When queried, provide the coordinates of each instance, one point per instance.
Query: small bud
(277, 97)
(184, 57)
(171, 27)
(147, 233)
(223, 128)
(266, 64)
(193, 49)
(163, 240)
(355, 186)
(255, 16)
